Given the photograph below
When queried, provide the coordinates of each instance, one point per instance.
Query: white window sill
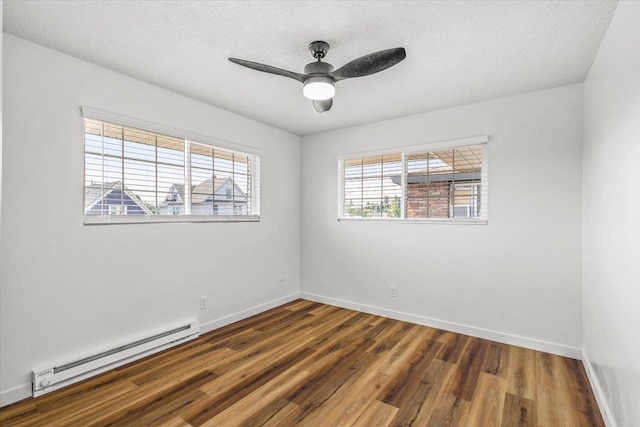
(447, 221)
(163, 219)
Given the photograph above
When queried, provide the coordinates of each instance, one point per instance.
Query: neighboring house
(215, 196)
(112, 198)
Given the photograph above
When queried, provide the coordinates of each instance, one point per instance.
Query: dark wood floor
(311, 364)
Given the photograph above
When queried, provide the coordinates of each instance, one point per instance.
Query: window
(117, 209)
(135, 175)
(434, 183)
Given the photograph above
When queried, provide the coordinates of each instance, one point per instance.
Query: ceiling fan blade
(324, 105)
(269, 69)
(370, 64)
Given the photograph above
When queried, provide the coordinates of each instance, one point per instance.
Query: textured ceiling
(457, 51)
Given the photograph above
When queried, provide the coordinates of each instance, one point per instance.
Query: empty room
(320, 213)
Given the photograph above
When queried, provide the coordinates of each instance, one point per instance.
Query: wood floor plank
(327, 310)
(453, 345)
(84, 401)
(275, 409)
(185, 351)
(408, 388)
(273, 342)
(299, 319)
(251, 404)
(388, 338)
(323, 324)
(302, 304)
(175, 422)
(553, 406)
(439, 375)
(268, 317)
(333, 354)
(286, 416)
(496, 361)
(376, 414)
(307, 363)
(225, 396)
(350, 326)
(19, 414)
(464, 380)
(179, 365)
(133, 401)
(518, 412)
(240, 340)
(395, 359)
(163, 409)
(323, 383)
(581, 393)
(450, 410)
(562, 393)
(487, 404)
(521, 373)
(348, 402)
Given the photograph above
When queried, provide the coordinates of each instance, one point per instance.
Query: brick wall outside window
(428, 200)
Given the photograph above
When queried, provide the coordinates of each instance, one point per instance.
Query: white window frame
(433, 146)
(188, 137)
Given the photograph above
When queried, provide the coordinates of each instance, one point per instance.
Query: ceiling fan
(319, 78)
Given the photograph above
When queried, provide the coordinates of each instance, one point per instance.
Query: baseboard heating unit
(55, 376)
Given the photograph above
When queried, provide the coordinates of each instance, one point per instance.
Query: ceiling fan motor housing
(318, 68)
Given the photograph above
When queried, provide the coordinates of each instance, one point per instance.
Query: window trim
(105, 116)
(407, 150)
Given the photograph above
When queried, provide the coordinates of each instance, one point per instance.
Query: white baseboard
(15, 394)
(548, 347)
(227, 320)
(597, 391)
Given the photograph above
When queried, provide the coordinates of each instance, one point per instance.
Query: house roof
(201, 192)
(94, 193)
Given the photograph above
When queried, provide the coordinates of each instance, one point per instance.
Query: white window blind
(135, 175)
(369, 187)
(441, 184)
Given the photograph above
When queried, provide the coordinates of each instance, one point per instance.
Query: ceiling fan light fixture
(319, 78)
(319, 88)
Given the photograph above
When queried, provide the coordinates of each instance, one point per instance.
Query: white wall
(516, 279)
(1, 34)
(69, 288)
(611, 227)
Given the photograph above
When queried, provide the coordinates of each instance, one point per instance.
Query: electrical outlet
(393, 291)
(203, 303)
